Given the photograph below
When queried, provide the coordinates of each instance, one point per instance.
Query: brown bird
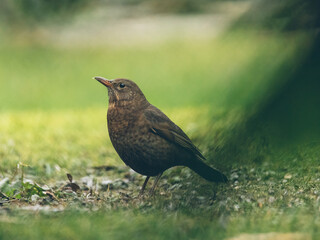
(146, 139)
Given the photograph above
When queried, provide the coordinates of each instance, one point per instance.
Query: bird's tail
(207, 172)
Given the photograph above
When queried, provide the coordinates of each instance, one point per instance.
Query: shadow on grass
(286, 119)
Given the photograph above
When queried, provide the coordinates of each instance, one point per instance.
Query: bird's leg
(144, 185)
(155, 184)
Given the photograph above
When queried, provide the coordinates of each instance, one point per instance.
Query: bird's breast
(141, 149)
(122, 126)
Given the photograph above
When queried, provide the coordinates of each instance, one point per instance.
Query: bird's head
(123, 92)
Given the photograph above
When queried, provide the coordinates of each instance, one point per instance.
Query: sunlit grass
(156, 225)
(235, 69)
(53, 119)
(70, 139)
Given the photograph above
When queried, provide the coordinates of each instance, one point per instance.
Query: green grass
(69, 139)
(235, 69)
(53, 122)
(156, 225)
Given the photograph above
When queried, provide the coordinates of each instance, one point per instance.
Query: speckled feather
(146, 139)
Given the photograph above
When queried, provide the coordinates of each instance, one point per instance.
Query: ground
(53, 123)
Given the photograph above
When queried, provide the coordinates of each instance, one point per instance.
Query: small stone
(271, 199)
(88, 181)
(201, 198)
(236, 207)
(4, 181)
(34, 197)
(288, 176)
(234, 176)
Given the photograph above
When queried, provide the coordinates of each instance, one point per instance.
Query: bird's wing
(161, 125)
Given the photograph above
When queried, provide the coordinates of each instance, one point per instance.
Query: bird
(146, 139)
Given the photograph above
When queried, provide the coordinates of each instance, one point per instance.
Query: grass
(69, 139)
(52, 122)
(125, 224)
(188, 73)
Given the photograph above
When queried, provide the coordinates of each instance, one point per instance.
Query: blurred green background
(240, 77)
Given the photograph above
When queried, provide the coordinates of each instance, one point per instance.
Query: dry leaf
(69, 177)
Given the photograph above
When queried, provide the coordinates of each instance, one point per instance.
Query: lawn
(53, 122)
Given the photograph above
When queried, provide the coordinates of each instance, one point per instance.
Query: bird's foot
(143, 187)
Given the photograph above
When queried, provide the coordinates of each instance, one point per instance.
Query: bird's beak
(104, 81)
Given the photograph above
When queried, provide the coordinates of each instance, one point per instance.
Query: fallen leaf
(69, 177)
(75, 187)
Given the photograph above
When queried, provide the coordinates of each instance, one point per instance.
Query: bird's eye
(122, 85)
